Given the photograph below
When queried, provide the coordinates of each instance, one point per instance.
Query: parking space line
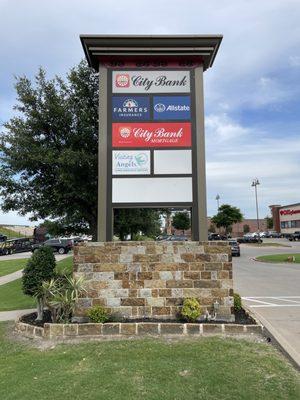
(263, 303)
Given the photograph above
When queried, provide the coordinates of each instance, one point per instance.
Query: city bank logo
(122, 80)
(159, 107)
(130, 108)
(125, 131)
(172, 108)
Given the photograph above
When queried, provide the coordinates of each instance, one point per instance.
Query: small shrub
(191, 310)
(40, 268)
(98, 314)
(237, 302)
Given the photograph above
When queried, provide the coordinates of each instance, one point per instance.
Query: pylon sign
(151, 136)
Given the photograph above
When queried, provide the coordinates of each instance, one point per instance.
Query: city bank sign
(289, 212)
(151, 82)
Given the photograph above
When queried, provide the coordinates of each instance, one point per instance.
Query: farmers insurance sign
(151, 81)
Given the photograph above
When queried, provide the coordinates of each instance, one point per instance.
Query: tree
(129, 221)
(49, 150)
(40, 268)
(49, 155)
(269, 222)
(226, 216)
(182, 221)
(246, 228)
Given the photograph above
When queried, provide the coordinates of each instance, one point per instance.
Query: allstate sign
(172, 107)
(130, 107)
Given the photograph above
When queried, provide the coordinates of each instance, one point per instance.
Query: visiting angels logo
(141, 159)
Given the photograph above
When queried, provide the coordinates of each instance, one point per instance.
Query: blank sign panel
(152, 190)
(172, 162)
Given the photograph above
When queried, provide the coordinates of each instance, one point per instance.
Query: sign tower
(151, 124)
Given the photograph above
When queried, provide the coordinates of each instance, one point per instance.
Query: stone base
(136, 280)
(91, 330)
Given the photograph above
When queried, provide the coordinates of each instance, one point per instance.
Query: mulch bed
(241, 317)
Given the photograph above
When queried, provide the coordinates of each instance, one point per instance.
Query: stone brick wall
(151, 279)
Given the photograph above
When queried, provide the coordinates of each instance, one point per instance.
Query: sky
(252, 92)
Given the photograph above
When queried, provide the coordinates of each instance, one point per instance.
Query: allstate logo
(122, 80)
(125, 132)
(130, 103)
(141, 159)
(159, 107)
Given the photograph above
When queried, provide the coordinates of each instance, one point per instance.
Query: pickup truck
(294, 236)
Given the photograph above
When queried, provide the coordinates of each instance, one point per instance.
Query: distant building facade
(238, 229)
(286, 219)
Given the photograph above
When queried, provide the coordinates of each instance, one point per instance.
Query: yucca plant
(60, 296)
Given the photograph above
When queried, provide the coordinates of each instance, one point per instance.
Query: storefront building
(286, 219)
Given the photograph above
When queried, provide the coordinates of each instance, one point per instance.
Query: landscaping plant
(40, 268)
(98, 314)
(237, 302)
(191, 310)
(61, 294)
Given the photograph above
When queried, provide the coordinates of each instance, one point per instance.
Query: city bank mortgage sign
(151, 131)
(151, 136)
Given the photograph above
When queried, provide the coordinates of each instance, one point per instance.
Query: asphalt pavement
(272, 292)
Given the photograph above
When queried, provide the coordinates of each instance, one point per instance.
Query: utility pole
(254, 184)
(218, 199)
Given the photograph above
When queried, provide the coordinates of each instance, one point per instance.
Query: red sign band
(154, 134)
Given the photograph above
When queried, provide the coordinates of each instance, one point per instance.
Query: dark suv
(61, 246)
(235, 248)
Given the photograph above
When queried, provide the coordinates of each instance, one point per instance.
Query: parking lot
(272, 291)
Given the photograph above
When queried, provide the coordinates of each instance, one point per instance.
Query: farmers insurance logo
(130, 108)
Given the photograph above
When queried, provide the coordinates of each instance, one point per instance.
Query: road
(28, 254)
(272, 291)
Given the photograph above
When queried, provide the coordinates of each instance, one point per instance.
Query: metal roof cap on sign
(101, 46)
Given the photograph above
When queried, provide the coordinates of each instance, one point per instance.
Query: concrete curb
(271, 332)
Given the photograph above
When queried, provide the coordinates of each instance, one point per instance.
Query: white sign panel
(152, 190)
(151, 82)
(131, 162)
(172, 162)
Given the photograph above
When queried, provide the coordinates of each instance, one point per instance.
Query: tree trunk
(40, 309)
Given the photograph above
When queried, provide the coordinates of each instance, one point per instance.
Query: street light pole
(255, 183)
(218, 198)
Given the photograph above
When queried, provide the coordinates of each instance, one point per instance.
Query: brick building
(286, 219)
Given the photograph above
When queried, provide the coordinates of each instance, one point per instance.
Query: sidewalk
(10, 277)
(13, 315)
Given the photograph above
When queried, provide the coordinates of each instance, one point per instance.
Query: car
(216, 236)
(61, 246)
(174, 238)
(249, 239)
(3, 238)
(294, 236)
(235, 248)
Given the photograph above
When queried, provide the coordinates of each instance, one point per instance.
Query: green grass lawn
(206, 368)
(11, 295)
(9, 233)
(10, 266)
(279, 258)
